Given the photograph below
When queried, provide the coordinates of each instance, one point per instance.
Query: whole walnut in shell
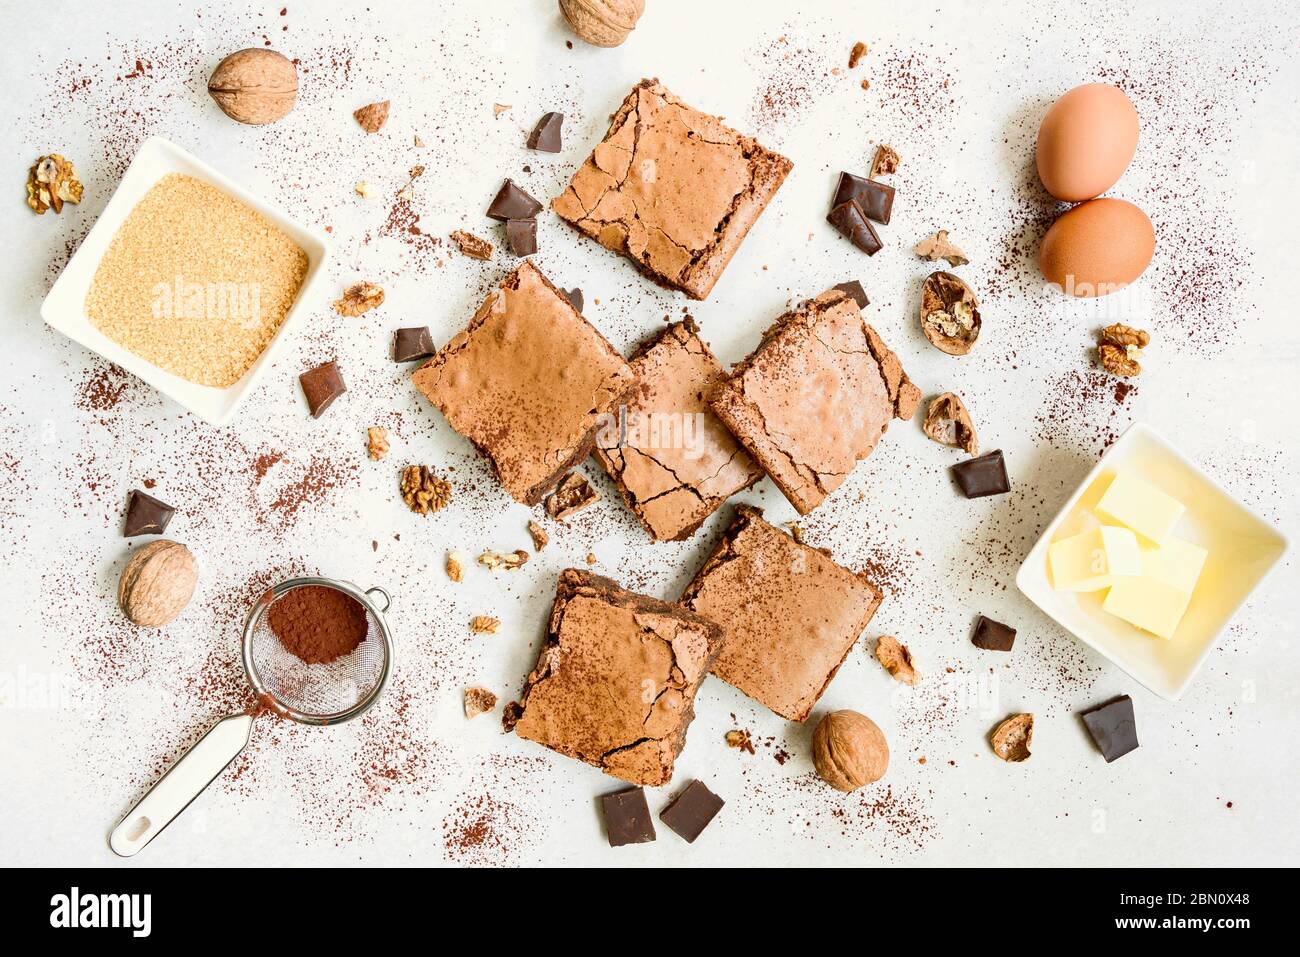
(849, 750)
(255, 86)
(603, 23)
(157, 583)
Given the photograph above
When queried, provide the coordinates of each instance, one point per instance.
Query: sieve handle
(184, 781)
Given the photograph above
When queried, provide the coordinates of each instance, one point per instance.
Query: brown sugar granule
(238, 277)
(318, 624)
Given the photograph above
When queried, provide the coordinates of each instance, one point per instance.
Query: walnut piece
(423, 491)
(896, 659)
(849, 750)
(1119, 347)
(948, 423)
(508, 561)
(573, 494)
(472, 246)
(364, 189)
(740, 739)
(455, 566)
(1012, 738)
(539, 536)
(499, 108)
(478, 701)
(939, 247)
(51, 182)
(376, 442)
(373, 116)
(950, 316)
(887, 159)
(358, 298)
(484, 625)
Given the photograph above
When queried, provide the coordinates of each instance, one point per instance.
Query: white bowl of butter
(1149, 560)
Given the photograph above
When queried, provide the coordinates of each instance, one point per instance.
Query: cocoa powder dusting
(317, 623)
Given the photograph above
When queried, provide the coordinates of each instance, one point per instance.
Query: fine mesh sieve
(317, 694)
(325, 693)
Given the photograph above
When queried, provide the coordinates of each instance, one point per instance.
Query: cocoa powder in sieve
(318, 624)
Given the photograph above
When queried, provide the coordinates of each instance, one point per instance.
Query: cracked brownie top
(674, 462)
(673, 189)
(789, 614)
(815, 397)
(527, 382)
(615, 681)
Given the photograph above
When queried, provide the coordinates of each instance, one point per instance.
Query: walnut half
(948, 423)
(51, 182)
(423, 491)
(950, 315)
(1119, 347)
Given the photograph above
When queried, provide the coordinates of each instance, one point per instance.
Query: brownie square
(615, 681)
(674, 462)
(671, 188)
(528, 382)
(815, 397)
(789, 614)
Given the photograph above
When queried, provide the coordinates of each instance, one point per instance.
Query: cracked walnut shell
(895, 658)
(372, 117)
(950, 316)
(948, 423)
(602, 23)
(849, 751)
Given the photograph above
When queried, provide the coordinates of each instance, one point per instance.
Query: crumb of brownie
(539, 536)
(484, 625)
(359, 298)
(478, 701)
(423, 491)
(376, 442)
(573, 494)
(475, 247)
(856, 54)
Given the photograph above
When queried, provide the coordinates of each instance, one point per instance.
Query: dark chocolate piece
(145, 515)
(993, 635)
(545, 136)
(875, 199)
(322, 385)
(986, 475)
(521, 234)
(853, 225)
(691, 811)
(413, 343)
(511, 202)
(854, 289)
(574, 296)
(627, 817)
(1113, 727)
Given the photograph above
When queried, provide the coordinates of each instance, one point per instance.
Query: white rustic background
(91, 709)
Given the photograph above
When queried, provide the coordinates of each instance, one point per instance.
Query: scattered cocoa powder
(318, 623)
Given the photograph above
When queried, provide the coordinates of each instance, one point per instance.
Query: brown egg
(1097, 247)
(1086, 141)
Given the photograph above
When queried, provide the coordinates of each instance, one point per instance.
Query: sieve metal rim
(364, 597)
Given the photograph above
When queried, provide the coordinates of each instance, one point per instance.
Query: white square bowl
(64, 308)
(1243, 548)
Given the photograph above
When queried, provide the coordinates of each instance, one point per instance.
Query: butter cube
(1141, 506)
(1157, 600)
(1094, 559)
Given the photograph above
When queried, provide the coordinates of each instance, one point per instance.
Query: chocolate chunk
(993, 635)
(521, 234)
(322, 385)
(1113, 727)
(854, 289)
(574, 296)
(545, 136)
(511, 202)
(853, 225)
(875, 199)
(627, 818)
(691, 811)
(986, 475)
(145, 515)
(412, 343)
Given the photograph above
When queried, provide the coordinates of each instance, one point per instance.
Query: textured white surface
(90, 709)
